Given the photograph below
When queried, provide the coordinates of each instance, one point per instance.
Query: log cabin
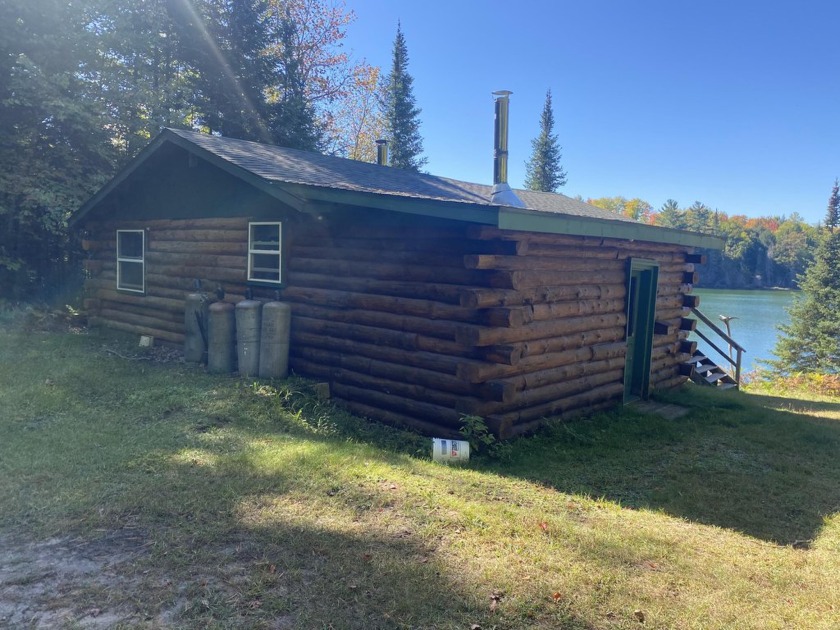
(419, 299)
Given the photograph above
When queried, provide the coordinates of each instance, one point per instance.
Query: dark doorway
(641, 307)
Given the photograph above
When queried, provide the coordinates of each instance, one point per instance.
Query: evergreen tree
(222, 42)
(811, 342)
(292, 116)
(402, 116)
(544, 171)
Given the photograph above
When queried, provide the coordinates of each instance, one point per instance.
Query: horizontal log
(688, 324)
(381, 254)
(190, 259)
(672, 313)
(539, 380)
(210, 274)
(605, 251)
(152, 323)
(689, 347)
(476, 297)
(434, 414)
(406, 340)
(691, 301)
(390, 371)
(441, 363)
(668, 288)
(517, 316)
(430, 309)
(399, 419)
(514, 352)
(532, 279)
(148, 311)
(193, 248)
(503, 424)
(436, 291)
(476, 372)
(661, 327)
(174, 338)
(484, 336)
(573, 262)
(400, 271)
(558, 390)
(433, 328)
(147, 301)
(201, 235)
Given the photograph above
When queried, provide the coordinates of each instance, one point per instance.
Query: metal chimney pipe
(382, 152)
(502, 193)
(500, 137)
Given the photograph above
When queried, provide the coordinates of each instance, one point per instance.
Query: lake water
(758, 313)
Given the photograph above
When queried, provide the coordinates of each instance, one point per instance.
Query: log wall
(419, 321)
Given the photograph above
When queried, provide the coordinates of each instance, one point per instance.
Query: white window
(265, 249)
(130, 265)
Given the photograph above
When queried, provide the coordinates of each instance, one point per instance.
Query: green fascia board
(551, 223)
(167, 136)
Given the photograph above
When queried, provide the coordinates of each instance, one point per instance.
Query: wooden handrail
(736, 363)
(729, 340)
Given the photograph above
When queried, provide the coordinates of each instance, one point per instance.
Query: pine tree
(811, 342)
(292, 116)
(544, 171)
(402, 115)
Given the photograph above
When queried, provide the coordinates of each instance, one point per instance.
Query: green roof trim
(552, 223)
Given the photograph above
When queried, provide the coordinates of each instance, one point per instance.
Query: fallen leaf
(475, 626)
(495, 598)
(557, 597)
(544, 526)
(272, 568)
(366, 557)
(639, 615)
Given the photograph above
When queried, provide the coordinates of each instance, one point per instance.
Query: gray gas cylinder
(221, 352)
(274, 345)
(196, 315)
(248, 315)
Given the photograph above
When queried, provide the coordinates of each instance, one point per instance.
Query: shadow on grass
(761, 465)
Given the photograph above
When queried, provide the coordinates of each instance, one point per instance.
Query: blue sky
(735, 104)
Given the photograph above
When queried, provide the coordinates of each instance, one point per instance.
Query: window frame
(132, 260)
(265, 252)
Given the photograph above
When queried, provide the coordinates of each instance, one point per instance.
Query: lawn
(137, 491)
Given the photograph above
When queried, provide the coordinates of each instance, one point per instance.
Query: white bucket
(449, 451)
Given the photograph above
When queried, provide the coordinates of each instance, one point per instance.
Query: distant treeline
(758, 252)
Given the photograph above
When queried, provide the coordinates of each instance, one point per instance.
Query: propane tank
(274, 346)
(221, 351)
(196, 313)
(248, 314)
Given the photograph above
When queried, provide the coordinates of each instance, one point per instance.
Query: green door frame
(642, 279)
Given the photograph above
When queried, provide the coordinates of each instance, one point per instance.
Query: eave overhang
(314, 199)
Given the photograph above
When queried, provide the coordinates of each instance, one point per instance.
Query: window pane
(131, 276)
(265, 267)
(130, 244)
(265, 237)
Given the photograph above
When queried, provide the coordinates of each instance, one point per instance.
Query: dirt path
(70, 582)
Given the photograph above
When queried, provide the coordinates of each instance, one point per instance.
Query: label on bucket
(444, 450)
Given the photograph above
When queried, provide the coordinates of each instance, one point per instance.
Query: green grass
(227, 504)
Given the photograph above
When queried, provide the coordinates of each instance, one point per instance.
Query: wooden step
(715, 377)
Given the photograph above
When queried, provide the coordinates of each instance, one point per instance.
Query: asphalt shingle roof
(292, 166)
